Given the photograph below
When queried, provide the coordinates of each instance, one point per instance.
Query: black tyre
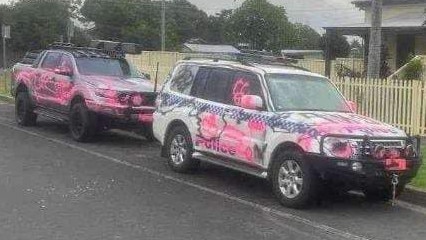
(82, 123)
(294, 182)
(179, 150)
(24, 114)
(148, 133)
(382, 194)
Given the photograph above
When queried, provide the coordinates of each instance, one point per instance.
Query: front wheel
(82, 123)
(24, 114)
(179, 151)
(148, 133)
(294, 182)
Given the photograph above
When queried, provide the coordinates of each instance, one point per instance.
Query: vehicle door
(246, 128)
(63, 84)
(44, 80)
(225, 128)
(212, 111)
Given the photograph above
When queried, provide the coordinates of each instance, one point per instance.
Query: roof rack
(87, 51)
(250, 59)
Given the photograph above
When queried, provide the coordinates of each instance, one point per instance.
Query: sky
(315, 13)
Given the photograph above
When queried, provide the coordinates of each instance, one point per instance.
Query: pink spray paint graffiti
(220, 134)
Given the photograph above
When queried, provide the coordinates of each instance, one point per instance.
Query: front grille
(368, 147)
(126, 98)
(149, 99)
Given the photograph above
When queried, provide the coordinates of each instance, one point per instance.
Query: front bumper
(123, 113)
(365, 170)
(372, 173)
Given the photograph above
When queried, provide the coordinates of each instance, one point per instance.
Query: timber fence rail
(397, 102)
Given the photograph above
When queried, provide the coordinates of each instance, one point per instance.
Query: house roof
(206, 48)
(404, 22)
(366, 3)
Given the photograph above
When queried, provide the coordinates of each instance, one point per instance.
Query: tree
(37, 24)
(306, 37)
(5, 14)
(338, 44)
(262, 25)
(139, 21)
(184, 21)
(219, 27)
(357, 49)
(125, 20)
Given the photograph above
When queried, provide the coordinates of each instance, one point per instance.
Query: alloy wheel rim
(178, 149)
(290, 179)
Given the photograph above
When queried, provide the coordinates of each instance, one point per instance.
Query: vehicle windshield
(291, 92)
(106, 67)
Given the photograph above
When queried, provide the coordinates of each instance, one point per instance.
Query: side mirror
(65, 71)
(252, 102)
(353, 106)
(147, 76)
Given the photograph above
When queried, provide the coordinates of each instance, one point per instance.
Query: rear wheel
(24, 114)
(82, 123)
(294, 182)
(179, 150)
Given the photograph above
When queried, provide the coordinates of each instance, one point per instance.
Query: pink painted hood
(343, 123)
(120, 84)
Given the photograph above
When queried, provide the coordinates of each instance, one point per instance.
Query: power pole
(5, 33)
(70, 30)
(375, 48)
(163, 25)
(4, 53)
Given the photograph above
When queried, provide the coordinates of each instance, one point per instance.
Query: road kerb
(6, 98)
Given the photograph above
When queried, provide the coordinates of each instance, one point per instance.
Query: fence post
(415, 107)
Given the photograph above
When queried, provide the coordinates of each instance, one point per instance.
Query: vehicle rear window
(183, 78)
(200, 82)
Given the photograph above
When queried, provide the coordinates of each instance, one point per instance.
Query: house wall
(421, 44)
(390, 39)
(392, 11)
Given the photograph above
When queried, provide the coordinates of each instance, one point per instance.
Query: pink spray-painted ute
(89, 89)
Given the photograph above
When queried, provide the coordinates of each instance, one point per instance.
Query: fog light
(356, 166)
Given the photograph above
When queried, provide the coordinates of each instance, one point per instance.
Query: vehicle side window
(51, 61)
(66, 62)
(200, 82)
(244, 83)
(183, 79)
(217, 86)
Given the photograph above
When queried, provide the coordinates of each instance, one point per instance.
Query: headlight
(137, 100)
(413, 147)
(339, 147)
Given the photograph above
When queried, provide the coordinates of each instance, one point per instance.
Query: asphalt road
(120, 188)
